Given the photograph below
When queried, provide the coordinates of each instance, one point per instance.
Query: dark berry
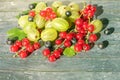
(68, 13)
(30, 19)
(9, 42)
(100, 45)
(48, 44)
(107, 31)
(32, 6)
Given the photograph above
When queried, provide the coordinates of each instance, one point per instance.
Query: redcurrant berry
(30, 48)
(32, 13)
(52, 58)
(23, 54)
(14, 48)
(93, 37)
(78, 47)
(46, 52)
(63, 34)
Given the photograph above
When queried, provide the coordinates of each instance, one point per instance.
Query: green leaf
(69, 52)
(16, 32)
(22, 13)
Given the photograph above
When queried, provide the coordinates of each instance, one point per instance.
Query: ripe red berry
(90, 28)
(86, 47)
(93, 37)
(60, 50)
(25, 42)
(14, 48)
(78, 47)
(58, 41)
(57, 54)
(80, 41)
(32, 13)
(18, 43)
(79, 22)
(69, 36)
(85, 25)
(52, 58)
(43, 13)
(67, 43)
(23, 54)
(30, 48)
(79, 36)
(49, 10)
(53, 15)
(78, 28)
(36, 45)
(63, 34)
(46, 52)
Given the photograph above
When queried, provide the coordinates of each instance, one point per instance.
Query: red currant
(14, 48)
(25, 42)
(18, 43)
(43, 13)
(80, 41)
(86, 47)
(78, 47)
(67, 43)
(49, 10)
(46, 52)
(52, 58)
(63, 34)
(23, 54)
(58, 41)
(93, 37)
(30, 48)
(60, 50)
(85, 24)
(78, 28)
(57, 54)
(90, 28)
(79, 22)
(52, 15)
(32, 13)
(36, 45)
(69, 36)
(79, 36)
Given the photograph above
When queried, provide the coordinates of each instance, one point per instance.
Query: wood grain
(93, 65)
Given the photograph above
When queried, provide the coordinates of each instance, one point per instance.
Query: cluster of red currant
(52, 56)
(89, 11)
(48, 14)
(24, 47)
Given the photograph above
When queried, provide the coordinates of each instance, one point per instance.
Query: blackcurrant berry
(107, 31)
(32, 6)
(11, 41)
(68, 13)
(48, 44)
(100, 45)
(30, 19)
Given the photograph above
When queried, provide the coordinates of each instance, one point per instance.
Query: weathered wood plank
(59, 75)
(61, 65)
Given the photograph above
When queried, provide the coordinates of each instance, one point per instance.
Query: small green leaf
(69, 52)
(16, 32)
(22, 13)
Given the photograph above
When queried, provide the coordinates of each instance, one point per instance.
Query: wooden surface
(94, 65)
